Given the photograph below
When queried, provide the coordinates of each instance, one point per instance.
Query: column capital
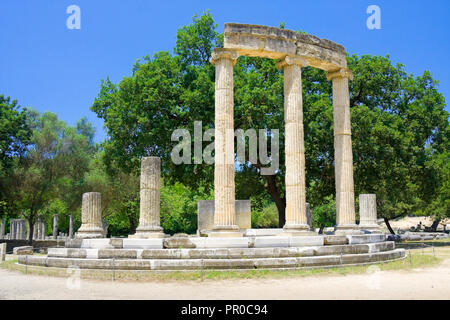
(341, 73)
(291, 60)
(223, 53)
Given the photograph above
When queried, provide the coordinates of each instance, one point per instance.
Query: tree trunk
(132, 225)
(388, 225)
(30, 234)
(322, 226)
(271, 188)
(435, 224)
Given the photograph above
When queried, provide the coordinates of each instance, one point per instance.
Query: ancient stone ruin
(229, 242)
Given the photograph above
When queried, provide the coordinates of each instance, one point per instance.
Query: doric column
(22, 229)
(224, 205)
(55, 226)
(71, 227)
(91, 216)
(343, 157)
(368, 212)
(149, 218)
(296, 219)
(35, 230)
(2, 229)
(43, 229)
(28, 230)
(12, 229)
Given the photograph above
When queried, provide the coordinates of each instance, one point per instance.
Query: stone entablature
(275, 43)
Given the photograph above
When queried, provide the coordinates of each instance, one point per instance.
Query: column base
(372, 228)
(347, 229)
(87, 234)
(225, 232)
(148, 235)
(297, 230)
(148, 232)
(293, 233)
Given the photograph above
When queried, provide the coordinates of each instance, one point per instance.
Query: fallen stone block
(23, 250)
(178, 242)
(330, 240)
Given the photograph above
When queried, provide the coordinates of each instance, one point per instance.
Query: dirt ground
(407, 222)
(422, 283)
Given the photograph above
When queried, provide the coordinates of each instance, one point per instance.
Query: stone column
(55, 226)
(149, 215)
(91, 216)
(35, 231)
(225, 224)
(296, 219)
(21, 230)
(2, 251)
(71, 227)
(2, 229)
(343, 157)
(12, 229)
(40, 228)
(368, 212)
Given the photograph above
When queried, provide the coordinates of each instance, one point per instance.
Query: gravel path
(427, 283)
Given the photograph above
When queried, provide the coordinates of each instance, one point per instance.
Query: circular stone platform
(195, 253)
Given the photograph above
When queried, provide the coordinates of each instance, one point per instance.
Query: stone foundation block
(25, 250)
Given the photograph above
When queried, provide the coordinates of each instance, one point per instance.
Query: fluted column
(224, 204)
(91, 216)
(12, 229)
(2, 229)
(296, 218)
(368, 212)
(70, 227)
(55, 226)
(22, 229)
(343, 157)
(149, 218)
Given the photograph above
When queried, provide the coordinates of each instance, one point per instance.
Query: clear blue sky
(51, 68)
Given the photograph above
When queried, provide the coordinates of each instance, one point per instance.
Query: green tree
(53, 157)
(120, 195)
(14, 138)
(395, 118)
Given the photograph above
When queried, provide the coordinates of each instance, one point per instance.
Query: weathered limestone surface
(149, 216)
(335, 240)
(70, 227)
(225, 215)
(2, 228)
(12, 229)
(368, 212)
(296, 219)
(276, 43)
(178, 242)
(23, 250)
(205, 215)
(345, 199)
(18, 229)
(263, 232)
(2, 251)
(39, 229)
(309, 216)
(55, 226)
(91, 216)
(222, 263)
